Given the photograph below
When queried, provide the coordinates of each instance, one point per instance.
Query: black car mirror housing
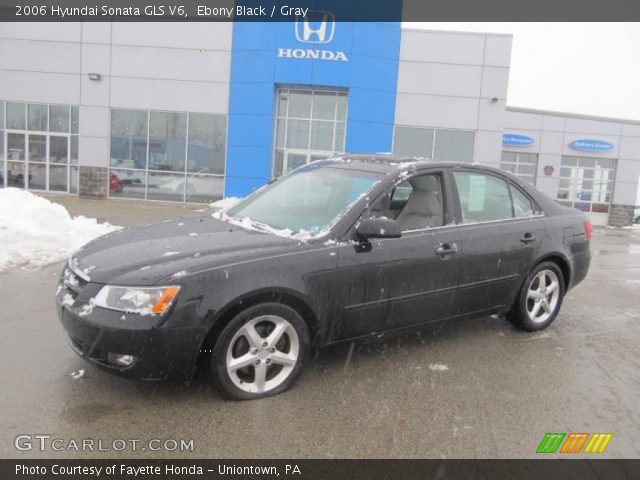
(379, 228)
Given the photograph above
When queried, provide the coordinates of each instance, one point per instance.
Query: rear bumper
(580, 262)
(158, 353)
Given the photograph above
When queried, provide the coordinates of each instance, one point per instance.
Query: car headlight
(140, 300)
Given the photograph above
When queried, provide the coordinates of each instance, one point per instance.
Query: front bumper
(159, 352)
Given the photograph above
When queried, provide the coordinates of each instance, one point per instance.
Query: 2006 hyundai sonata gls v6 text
(335, 250)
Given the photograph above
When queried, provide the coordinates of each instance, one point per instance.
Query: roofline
(454, 32)
(572, 115)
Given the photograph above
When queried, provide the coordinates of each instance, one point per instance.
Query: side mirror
(379, 228)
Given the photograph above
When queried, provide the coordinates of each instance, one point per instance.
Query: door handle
(445, 249)
(527, 238)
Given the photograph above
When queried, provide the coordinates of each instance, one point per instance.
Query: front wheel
(539, 301)
(260, 352)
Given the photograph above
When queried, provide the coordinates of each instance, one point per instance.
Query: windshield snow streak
(303, 205)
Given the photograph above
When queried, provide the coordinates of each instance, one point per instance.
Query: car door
(500, 232)
(397, 282)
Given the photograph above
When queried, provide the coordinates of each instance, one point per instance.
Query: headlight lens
(140, 300)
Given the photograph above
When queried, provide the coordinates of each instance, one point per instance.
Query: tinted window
(207, 143)
(415, 204)
(522, 206)
(402, 192)
(59, 118)
(167, 141)
(413, 141)
(483, 197)
(16, 116)
(454, 146)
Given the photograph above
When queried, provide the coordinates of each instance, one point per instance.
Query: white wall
(553, 132)
(157, 66)
(449, 80)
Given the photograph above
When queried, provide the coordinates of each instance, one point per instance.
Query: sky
(586, 68)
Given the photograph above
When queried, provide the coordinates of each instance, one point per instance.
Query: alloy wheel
(543, 296)
(262, 354)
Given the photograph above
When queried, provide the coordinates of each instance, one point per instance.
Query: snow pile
(35, 232)
(225, 203)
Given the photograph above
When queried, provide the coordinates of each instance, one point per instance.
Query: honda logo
(315, 27)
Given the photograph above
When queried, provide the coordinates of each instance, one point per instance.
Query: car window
(415, 204)
(401, 192)
(483, 197)
(522, 206)
(309, 199)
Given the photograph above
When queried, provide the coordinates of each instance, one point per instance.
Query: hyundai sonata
(336, 250)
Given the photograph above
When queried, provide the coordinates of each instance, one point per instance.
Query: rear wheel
(260, 352)
(539, 301)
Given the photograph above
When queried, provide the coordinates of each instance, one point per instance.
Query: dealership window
(168, 156)
(41, 143)
(2, 156)
(586, 183)
(436, 144)
(310, 125)
(521, 164)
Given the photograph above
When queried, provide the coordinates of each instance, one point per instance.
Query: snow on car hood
(159, 252)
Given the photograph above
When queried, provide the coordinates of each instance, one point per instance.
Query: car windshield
(307, 201)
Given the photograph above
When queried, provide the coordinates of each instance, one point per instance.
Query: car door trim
(398, 299)
(513, 276)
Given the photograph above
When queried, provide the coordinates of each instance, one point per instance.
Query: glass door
(16, 154)
(37, 162)
(293, 159)
(310, 125)
(586, 183)
(58, 162)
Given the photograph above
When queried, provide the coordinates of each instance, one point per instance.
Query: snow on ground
(77, 374)
(225, 203)
(438, 367)
(35, 232)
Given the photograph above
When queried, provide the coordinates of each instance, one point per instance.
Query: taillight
(588, 229)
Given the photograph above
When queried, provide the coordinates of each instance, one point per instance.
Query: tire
(529, 311)
(244, 353)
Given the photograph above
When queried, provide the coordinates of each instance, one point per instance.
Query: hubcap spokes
(542, 296)
(262, 354)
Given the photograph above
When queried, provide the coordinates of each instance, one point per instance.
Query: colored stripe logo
(574, 442)
(598, 443)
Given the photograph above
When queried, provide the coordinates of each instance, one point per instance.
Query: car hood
(148, 254)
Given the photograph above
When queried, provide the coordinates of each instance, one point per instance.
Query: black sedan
(348, 247)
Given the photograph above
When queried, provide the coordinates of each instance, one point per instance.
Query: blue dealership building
(192, 112)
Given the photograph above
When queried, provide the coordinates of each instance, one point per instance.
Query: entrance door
(310, 125)
(58, 162)
(586, 183)
(293, 160)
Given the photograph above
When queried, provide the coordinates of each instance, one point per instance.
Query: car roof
(389, 162)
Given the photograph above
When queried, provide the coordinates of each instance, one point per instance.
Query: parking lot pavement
(470, 389)
(122, 212)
